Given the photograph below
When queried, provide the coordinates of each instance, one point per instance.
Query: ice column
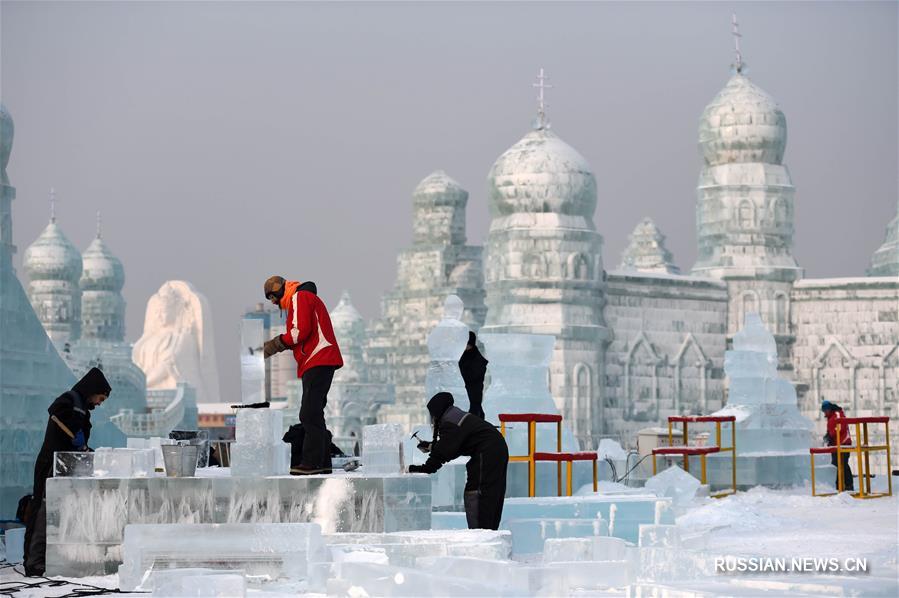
(382, 449)
(252, 362)
(446, 343)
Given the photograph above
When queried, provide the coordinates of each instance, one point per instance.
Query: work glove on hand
(424, 446)
(417, 469)
(78, 440)
(828, 440)
(276, 345)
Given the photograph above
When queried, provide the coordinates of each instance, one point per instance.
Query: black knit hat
(92, 383)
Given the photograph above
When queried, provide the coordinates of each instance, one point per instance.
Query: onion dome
(7, 131)
(541, 173)
(742, 124)
(52, 257)
(102, 271)
(349, 329)
(438, 188)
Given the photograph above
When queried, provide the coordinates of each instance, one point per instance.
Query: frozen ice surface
(381, 449)
(260, 549)
(14, 539)
(659, 536)
(370, 579)
(446, 343)
(200, 583)
(567, 549)
(448, 484)
(124, 463)
(74, 464)
(505, 576)
(676, 484)
(448, 520)
(252, 361)
(592, 575)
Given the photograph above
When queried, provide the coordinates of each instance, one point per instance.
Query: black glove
(417, 469)
(828, 440)
(276, 345)
(424, 446)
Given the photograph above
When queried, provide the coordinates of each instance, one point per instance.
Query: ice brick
(609, 549)
(124, 463)
(676, 484)
(529, 535)
(591, 575)
(259, 460)
(370, 579)
(448, 520)
(567, 549)
(260, 426)
(73, 464)
(381, 448)
(505, 576)
(659, 536)
(252, 362)
(278, 551)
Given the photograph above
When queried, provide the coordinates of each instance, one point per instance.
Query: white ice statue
(446, 343)
(178, 343)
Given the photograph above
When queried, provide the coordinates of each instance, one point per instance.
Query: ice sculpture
(446, 343)
(773, 437)
(178, 343)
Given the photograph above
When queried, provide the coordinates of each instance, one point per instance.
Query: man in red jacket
(834, 413)
(311, 338)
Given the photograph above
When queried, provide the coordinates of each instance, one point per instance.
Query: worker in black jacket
(68, 429)
(458, 433)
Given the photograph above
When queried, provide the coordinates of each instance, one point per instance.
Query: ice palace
(744, 335)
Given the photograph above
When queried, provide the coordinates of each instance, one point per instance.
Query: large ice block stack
(518, 371)
(87, 541)
(446, 343)
(773, 437)
(258, 450)
(276, 551)
(382, 449)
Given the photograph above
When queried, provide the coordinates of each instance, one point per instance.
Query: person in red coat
(311, 338)
(834, 413)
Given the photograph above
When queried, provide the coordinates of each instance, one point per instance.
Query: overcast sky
(228, 141)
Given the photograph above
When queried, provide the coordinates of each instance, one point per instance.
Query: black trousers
(485, 486)
(316, 444)
(848, 483)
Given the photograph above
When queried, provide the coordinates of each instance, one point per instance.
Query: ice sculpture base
(88, 541)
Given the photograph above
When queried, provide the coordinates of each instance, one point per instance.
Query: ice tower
(32, 373)
(885, 261)
(53, 266)
(543, 271)
(438, 264)
(773, 437)
(744, 209)
(646, 251)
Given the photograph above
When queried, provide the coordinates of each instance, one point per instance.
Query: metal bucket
(180, 460)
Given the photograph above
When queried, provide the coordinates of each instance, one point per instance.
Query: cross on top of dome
(52, 204)
(542, 86)
(738, 65)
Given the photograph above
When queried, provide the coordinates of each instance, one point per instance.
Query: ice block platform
(82, 541)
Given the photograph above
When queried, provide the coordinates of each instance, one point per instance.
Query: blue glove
(78, 441)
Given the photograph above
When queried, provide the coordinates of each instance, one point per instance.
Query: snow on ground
(761, 523)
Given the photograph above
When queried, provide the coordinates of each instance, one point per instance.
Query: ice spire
(99, 225)
(647, 252)
(541, 85)
(52, 204)
(738, 65)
